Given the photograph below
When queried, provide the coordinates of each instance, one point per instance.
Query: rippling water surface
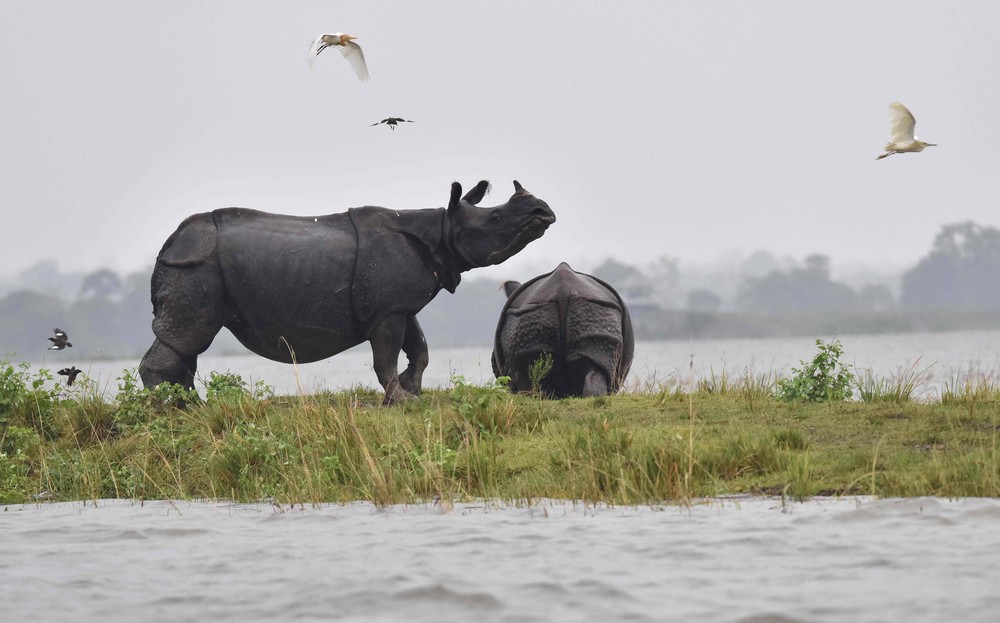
(735, 559)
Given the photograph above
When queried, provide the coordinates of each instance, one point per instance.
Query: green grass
(719, 436)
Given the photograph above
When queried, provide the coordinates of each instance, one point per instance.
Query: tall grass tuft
(899, 388)
(970, 389)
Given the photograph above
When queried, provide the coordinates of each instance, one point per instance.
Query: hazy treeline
(105, 314)
(955, 285)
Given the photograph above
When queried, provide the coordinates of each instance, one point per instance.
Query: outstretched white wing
(318, 45)
(352, 52)
(901, 124)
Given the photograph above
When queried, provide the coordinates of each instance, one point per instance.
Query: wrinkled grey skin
(577, 318)
(302, 289)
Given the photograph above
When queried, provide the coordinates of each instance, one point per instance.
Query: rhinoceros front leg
(387, 340)
(415, 347)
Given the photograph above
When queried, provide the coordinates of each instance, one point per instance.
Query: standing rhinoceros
(580, 320)
(294, 288)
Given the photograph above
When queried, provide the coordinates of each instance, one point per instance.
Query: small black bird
(70, 373)
(392, 121)
(60, 341)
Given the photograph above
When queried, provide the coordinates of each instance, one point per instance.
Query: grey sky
(653, 128)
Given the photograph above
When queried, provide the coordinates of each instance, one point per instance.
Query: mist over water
(734, 559)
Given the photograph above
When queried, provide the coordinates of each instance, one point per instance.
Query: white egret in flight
(351, 51)
(901, 138)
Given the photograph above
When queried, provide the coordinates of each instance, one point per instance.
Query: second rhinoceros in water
(576, 318)
(294, 288)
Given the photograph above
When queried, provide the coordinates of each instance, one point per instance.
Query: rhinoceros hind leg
(387, 340)
(415, 347)
(595, 381)
(595, 384)
(162, 364)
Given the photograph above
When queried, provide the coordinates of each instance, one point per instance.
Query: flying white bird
(901, 138)
(351, 51)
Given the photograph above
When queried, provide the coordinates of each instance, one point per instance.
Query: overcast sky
(683, 129)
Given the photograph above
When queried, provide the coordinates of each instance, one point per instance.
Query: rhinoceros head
(486, 236)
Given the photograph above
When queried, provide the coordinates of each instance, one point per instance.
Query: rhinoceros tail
(192, 244)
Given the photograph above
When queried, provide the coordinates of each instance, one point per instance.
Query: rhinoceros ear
(476, 195)
(510, 286)
(456, 192)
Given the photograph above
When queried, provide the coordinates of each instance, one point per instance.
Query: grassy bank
(718, 436)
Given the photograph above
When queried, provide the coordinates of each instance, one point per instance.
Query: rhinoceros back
(577, 318)
(552, 318)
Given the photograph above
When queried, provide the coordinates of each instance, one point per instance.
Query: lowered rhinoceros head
(486, 236)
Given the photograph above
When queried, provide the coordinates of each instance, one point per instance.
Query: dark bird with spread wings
(60, 341)
(392, 121)
(70, 374)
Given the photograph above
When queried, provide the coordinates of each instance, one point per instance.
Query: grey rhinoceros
(577, 318)
(294, 288)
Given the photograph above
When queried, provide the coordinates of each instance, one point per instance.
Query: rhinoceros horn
(519, 189)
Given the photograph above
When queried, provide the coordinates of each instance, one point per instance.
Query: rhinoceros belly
(288, 281)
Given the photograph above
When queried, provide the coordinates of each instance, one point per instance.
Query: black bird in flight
(60, 341)
(392, 121)
(70, 374)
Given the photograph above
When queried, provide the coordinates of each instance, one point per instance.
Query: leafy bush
(24, 393)
(487, 409)
(470, 399)
(228, 386)
(136, 403)
(823, 379)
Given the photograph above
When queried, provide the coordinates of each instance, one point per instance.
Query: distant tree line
(107, 314)
(809, 289)
(961, 272)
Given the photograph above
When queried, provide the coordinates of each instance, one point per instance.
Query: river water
(733, 559)
(941, 357)
(736, 559)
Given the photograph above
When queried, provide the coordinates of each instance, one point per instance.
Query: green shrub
(135, 404)
(539, 369)
(228, 386)
(823, 379)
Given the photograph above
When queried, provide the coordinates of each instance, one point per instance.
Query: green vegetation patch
(721, 436)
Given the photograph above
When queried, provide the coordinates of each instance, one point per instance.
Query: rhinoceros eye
(496, 217)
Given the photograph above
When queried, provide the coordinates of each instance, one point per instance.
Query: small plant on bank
(24, 394)
(823, 379)
(539, 369)
(226, 386)
(489, 409)
(135, 403)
